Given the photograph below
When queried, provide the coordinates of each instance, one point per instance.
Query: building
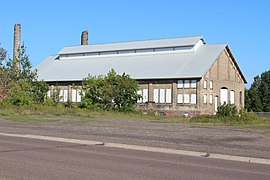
(176, 76)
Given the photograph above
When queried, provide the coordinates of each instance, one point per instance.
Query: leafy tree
(110, 92)
(258, 96)
(3, 74)
(21, 84)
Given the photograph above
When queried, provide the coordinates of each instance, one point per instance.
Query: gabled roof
(139, 66)
(143, 44)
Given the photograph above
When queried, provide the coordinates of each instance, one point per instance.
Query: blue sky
(48, 26)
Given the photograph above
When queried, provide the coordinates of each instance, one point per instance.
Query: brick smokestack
(84, 38)
(17, 44)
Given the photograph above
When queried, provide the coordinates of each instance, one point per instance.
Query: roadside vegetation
(24, 99)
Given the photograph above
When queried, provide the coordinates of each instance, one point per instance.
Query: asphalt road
(22, 158)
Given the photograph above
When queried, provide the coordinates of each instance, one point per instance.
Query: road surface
(24, 158)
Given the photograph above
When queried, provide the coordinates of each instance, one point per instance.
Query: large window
(155, 95)
(223, 96)
(145, 95)
(168, 96)
(193, 99)
(162, 96)
(187, 84)
(180, 98)
(186, 99)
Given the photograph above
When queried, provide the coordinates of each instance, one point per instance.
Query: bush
(110, 92)
(227, 110)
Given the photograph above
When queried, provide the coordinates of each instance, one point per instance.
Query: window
(168, 96)
(232, 97)
(74, 95)
(65, 95)
(204, 84)
(223, 96)
(144, 50)
(211, 84)
(187, 84)
(193, 99)
(240, 97)
(162, 96)
(49, 94)
(108, 53)
(139, 92)
(180, 98)
(163, 49)
(155, 95)
(126, 52)
(61, 96)
(79, 97)
(211, 98)
(180, 84)
(145, 95)
(204, 98)
(193, 83)
(186, 99)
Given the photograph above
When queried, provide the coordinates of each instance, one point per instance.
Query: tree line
(257, 97)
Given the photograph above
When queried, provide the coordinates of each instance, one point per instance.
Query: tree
(110, 92)
(3, 74)
(21, 85)
(258, 96)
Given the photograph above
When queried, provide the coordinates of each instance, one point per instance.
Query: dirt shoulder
(213, 139)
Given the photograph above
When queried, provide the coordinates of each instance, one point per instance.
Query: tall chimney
(17, 44)
(84, 38)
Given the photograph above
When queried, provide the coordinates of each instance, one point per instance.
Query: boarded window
(139, 92)
(49, 94)
(240, 97)
(187, 84)
(186, 99)
(65, 95)
(193, 83)
(61, 95)
(168, 96)
(156, 95)
(180, 98)
(145, 95)
(211, 84)
(74, 95)
(193, 99)
(162, 96)
(211, 99)
(223, 96)
(204, 84)
(232, 97)
(79, 97)
(180, 84)
(204, 98)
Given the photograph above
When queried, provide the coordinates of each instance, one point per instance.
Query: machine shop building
(176, 76)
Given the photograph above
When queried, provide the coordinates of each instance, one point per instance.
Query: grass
(61, 114)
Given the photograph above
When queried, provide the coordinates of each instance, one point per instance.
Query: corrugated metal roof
(144, 44)
(138, 66)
